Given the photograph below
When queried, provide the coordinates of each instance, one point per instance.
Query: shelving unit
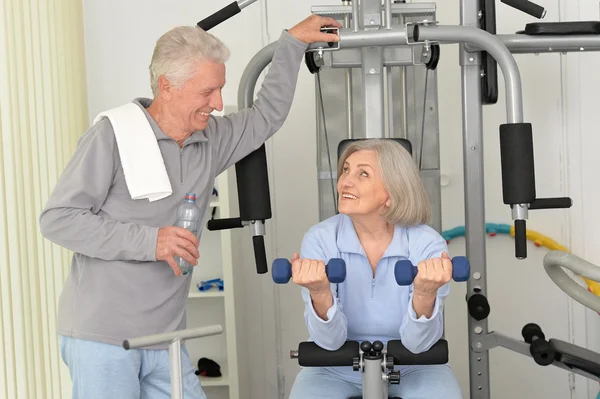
(214, 306)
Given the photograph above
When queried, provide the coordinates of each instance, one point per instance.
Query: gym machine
(383, 53)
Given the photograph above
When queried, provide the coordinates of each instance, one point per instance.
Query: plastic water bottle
(188, 217)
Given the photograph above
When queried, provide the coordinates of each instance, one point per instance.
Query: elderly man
(124, 280)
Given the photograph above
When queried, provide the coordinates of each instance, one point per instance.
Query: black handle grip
(312, 355)
(520, 239)
(224, 224)
(551, 203)
(527, 7)
(220, 16)
(260, 255)
(437, 354)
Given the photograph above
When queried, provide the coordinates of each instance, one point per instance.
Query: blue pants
(102, 371)
(418, 382)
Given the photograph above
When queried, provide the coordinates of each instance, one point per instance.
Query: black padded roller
(437, 354)
(312, 355)
(220, 16)
(253, 186)
(516, 154)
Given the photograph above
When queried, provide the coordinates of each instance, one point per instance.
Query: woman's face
(360, 186)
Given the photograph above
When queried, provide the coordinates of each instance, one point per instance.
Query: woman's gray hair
(409, 202)
(177, 53)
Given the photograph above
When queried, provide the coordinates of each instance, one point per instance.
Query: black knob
(531, 332)
(390, 362)
(479, 308)
(356, 364)
(365, 346)
(394, 377)
(377, 347)
(543, 352)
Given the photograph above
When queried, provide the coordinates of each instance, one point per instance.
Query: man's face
(192, 103)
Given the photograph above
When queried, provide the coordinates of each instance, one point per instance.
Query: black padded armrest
(312, 355)
(576, 356)
(438, 354)
(562, 28)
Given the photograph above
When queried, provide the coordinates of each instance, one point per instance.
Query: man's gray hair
(409, 202)
(177, 53)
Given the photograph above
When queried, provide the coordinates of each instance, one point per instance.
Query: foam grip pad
(437, 354)
(312, 355)
(405, 272)
(220, 16)
(260, 254)
(282, 270)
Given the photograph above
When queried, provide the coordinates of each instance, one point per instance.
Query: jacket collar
(143, 103)
(348, 242)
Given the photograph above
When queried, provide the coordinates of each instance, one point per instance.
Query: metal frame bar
(370, 20)
(525, 44)
(174, 339)
(555, 261)
(495, 339)
(373, 383)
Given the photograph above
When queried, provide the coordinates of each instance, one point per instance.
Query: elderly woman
(383, 211)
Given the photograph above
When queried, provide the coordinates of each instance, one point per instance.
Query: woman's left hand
(433, 273)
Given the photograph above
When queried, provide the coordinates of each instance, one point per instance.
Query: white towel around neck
(142, 161)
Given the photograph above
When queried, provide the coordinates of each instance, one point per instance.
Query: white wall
(558, 91)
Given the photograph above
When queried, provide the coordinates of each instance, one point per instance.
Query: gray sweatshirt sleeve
(72, 217)
(238, 134)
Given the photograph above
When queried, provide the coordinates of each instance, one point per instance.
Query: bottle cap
(190, 196)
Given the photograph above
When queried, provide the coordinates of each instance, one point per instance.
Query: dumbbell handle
(405, 272)
(282, 270)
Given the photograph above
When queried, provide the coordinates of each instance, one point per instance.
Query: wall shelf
(206, 294)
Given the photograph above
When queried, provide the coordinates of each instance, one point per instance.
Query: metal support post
(372, 72)
(175, 367)
(373, 382)
(348, 82)
(474, 192)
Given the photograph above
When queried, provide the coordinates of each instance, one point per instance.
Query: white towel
(143, 164)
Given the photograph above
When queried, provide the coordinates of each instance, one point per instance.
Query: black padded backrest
(562, 28)
(344, 143)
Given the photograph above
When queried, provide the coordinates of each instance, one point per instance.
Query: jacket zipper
(373, 288)
(181, 164)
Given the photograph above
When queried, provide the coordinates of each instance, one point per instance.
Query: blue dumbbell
(406, 272)
(282, 270)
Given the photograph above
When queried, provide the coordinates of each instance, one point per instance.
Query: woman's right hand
(310, 273)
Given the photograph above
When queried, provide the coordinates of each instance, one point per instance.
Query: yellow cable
(544, 241)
